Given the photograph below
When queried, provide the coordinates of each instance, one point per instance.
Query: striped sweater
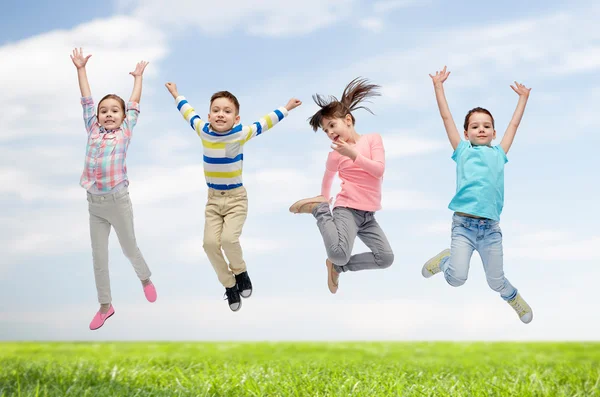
(223, 152)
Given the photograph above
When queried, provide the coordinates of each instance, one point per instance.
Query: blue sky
(266, 53)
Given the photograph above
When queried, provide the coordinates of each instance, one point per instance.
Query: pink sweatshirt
(361, 178)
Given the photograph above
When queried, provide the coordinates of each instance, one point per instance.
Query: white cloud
(408, 200)
(265, 18)
(555, 249)
(372, 24)
(34, 103)
(405, 144)
(264, 318)
(556, 44)
(391, 5)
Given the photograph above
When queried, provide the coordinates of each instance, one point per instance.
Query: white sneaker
(522, 308)
(432, 266)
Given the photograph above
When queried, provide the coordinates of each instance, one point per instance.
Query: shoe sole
(295, 208)
(425, 272)
(246, 297)
(239, 307)
(330, 284)
(112, 314)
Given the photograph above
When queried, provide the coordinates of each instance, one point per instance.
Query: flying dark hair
(357, 91)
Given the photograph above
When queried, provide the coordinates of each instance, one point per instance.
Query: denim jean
(340, 228)
(485, 237)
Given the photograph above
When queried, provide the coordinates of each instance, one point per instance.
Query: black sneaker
(244, 284)
(233, 298)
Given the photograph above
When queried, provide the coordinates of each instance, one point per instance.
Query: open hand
(344, 149)
(78, 59)
(293, 104)
(139, 69)
(440, 76)
(521, 90)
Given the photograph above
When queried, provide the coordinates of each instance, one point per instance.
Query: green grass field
(299, 369)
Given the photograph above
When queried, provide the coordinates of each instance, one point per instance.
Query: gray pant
(339, 230)
(113, 210)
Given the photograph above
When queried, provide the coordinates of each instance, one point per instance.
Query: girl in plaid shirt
(104, 177)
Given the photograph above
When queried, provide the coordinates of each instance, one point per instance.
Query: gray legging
(339, 230)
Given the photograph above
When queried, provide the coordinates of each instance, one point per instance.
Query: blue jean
(484, 236)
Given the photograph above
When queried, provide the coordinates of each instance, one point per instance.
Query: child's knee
(454, 279)
(384, 259)
(338, 258)
(211, 244)
(229, 241)
(131, 251)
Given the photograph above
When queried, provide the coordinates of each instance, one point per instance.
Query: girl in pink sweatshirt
(359, 160)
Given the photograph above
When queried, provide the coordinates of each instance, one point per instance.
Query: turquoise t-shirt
(479, 180)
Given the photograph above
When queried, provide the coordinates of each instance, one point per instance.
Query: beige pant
(225, 214)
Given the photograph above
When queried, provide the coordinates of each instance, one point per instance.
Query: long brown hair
(357, 91)
(477, 110)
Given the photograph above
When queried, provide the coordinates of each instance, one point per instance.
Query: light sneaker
(432, 266)
(333, 277)
(100, 318)
(306, 206)
(522, 308)
(150, 292)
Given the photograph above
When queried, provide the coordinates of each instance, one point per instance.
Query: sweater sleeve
(330, 171)
(375, 166)
(190, 115)
(262, 125)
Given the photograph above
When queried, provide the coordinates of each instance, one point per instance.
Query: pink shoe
(150, 292)
(100, 318)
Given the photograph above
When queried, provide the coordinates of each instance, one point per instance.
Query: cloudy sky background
(266, 52)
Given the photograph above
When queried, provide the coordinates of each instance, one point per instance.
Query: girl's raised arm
(136, 95)
(80, 61)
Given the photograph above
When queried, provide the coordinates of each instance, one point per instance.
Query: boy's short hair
(228, 95)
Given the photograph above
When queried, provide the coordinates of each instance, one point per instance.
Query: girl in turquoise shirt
(479, 197)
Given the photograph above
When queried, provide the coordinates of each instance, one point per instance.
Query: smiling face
(337, 128)
(223, 114)
(111, 113)
(480, 129)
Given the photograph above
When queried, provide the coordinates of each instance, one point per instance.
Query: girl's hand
(78, 59)
(139, 69)
(345, 149)
(521, 90)
(293, 104)
(440, 76)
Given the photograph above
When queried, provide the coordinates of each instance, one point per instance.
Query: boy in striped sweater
(223, 140)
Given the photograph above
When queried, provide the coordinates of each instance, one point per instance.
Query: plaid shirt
(106, 150)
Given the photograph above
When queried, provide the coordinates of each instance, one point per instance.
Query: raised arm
(80, 61)
(137, 74)
(269, 120)
(440, 96)
(186, 110)
(511, 130)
